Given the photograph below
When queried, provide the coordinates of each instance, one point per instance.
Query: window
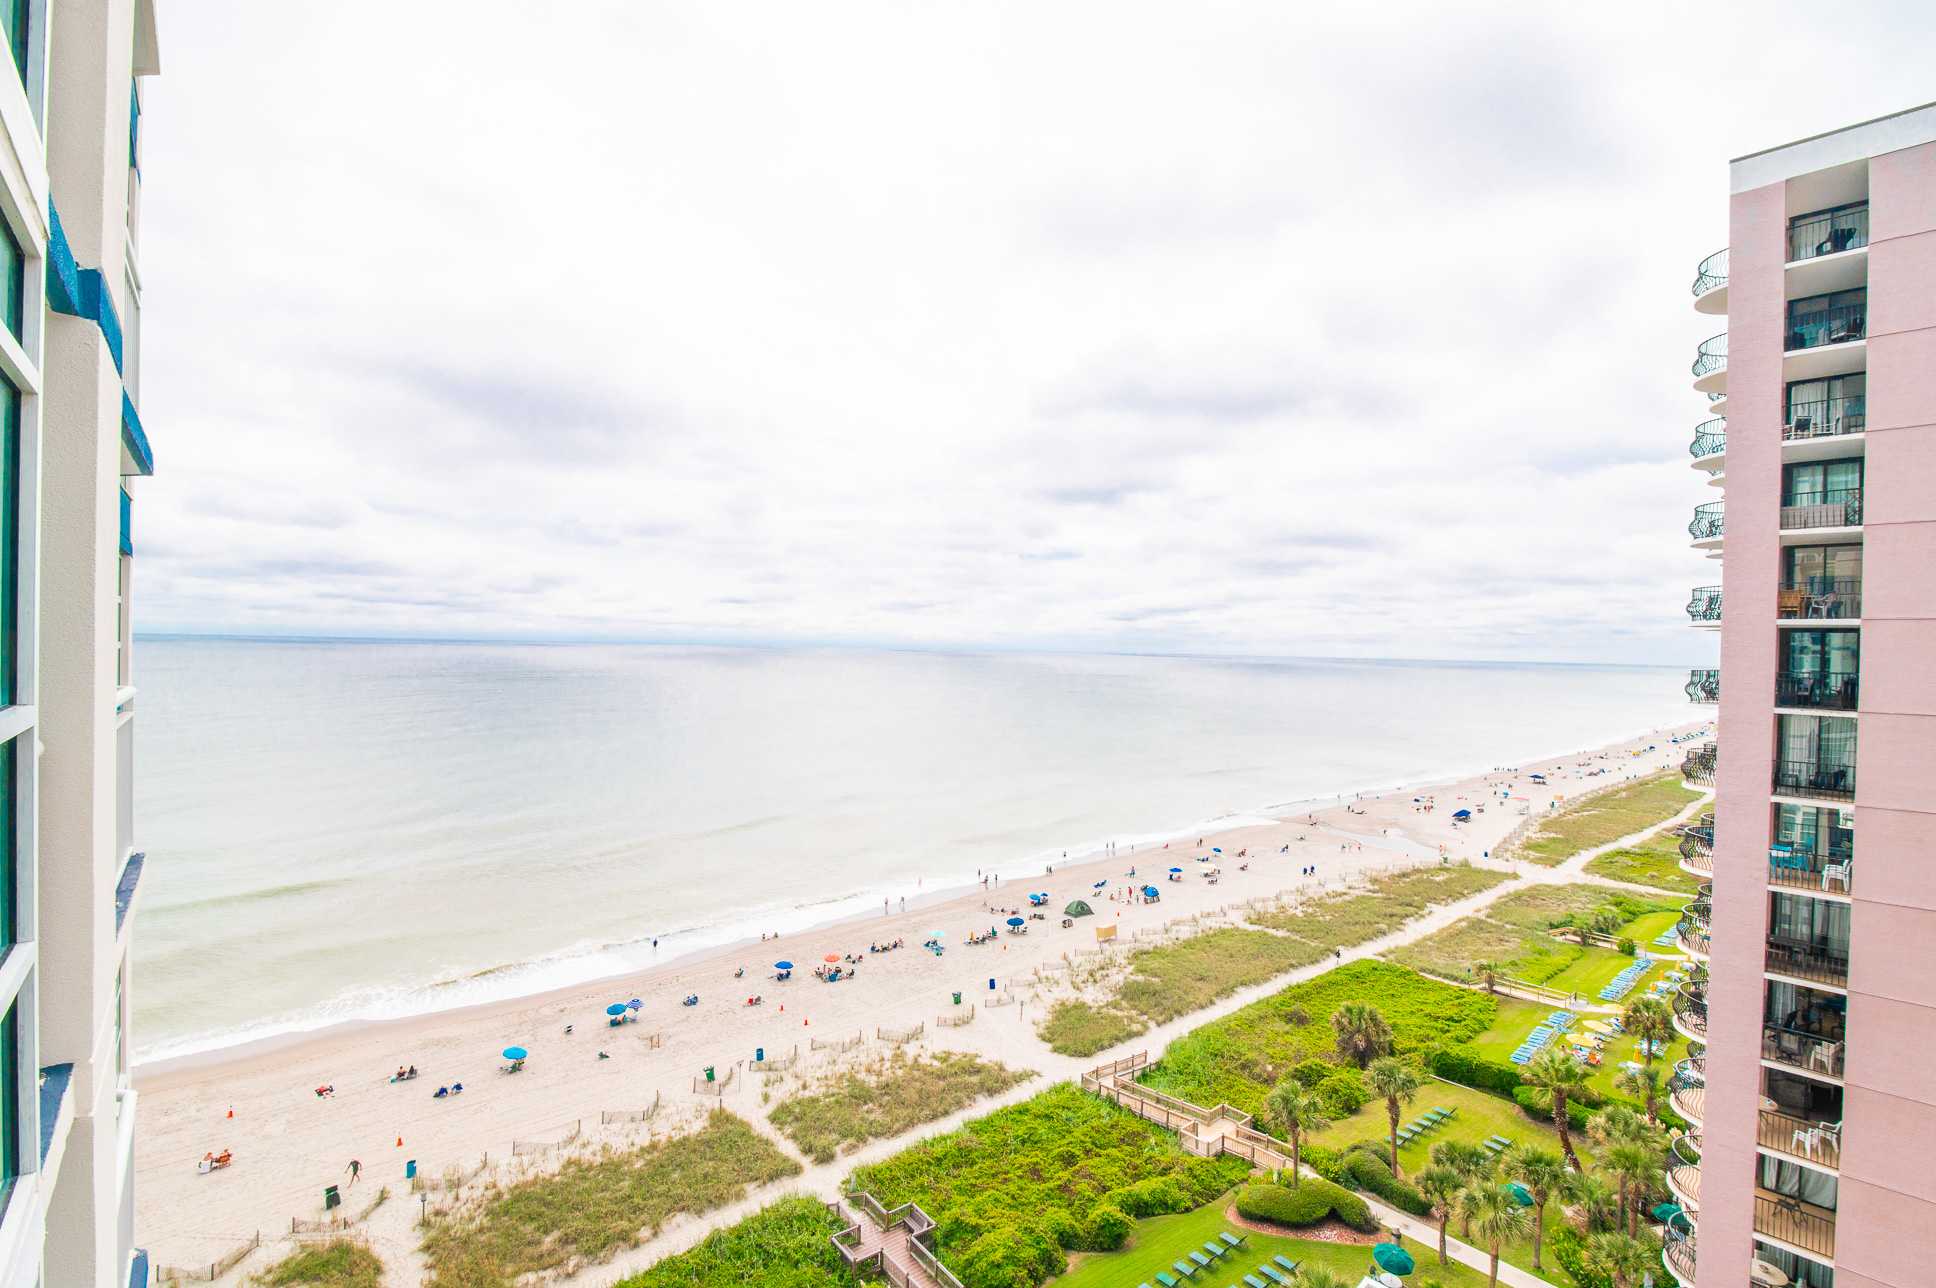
(14, 14)
(1825, 833)
(9, 1102)
(9, 541)
(1835, 318)
(1819, 408)
(1821, 482)
(1830, 567)
(9, 873)
(1828, 232)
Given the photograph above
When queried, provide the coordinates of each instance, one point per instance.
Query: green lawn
(1653, 862)
(1513, 934)
(1155, 1243)
(1479, 1114)
(1516, 1019)
(1607, 817)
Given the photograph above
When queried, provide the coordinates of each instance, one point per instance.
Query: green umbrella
(1521, 1195)
(1390, 1257)
(1671, 1215)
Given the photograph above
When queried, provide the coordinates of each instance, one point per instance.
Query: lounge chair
(1232, 1240)
(1215, 1249)
(1203, 1262)
(1273, 1274)
(1167, 1280)
(1254, 1282)
(1285, 1264)
(1184, 1268)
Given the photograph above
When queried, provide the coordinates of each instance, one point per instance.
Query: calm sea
(339, 830)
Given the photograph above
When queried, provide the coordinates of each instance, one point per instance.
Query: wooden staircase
(894, 1241)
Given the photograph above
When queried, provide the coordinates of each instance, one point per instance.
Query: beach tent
(1462, 813)
(1078, 909)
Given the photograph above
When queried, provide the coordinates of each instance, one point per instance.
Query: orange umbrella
(831, 957)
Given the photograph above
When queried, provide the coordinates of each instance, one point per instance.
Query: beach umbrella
(1099, 885)
(831, 957)
(1520, 1194)
(634, 1004)
(1216, 849)
(1599, 1026)
(1150, 890)
(1176, 869)
(782, 965)
(616, 1008)
(1014, 921)
(1393, 1259)
(514, 1053)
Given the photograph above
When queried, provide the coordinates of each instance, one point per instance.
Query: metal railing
(1826, 690)
(1712, 355)
(1828, 233)
(1698, 766)
(1800, 1137)
(1808, 870)
(1710, 438)
(1709, 521)
(1839, 507)
(1831, 324)
(1691, 1011)
(1692, 931)
(1825, 417)
(1703, 685)
(1819, 963)
(1819, 599)
(1789, 1221)
(1828, 780)
(1704, 604)
(1800, 1049)
(1677, 1254)
(1711, 274)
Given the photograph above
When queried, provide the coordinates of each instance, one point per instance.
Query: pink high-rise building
(1812, 1158)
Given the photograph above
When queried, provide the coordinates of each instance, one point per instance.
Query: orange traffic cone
(399, 1142)
(231, 1111)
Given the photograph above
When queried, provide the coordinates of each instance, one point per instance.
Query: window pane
(9, 539)
(13, 279)
(13, 16)
(9, 876)
(9, 1103)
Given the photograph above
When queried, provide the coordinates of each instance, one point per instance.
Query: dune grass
(781, 1246)
(1598, 820)
(339, 1264)
(886, 1098)
(1175, 979)
(595, 1206)
(1653, 862)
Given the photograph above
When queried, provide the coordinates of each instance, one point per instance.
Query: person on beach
(355, 1169)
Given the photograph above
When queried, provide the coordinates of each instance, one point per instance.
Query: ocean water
(342, 830)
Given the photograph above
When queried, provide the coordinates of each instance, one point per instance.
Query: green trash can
(957, 997)
(331, 1199)
(709, 1073)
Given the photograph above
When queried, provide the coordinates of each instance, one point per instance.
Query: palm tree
(1442, 1186)
(1544, 1175)
(1560, 1076)
(1363, 1035)
(1495, 1217)
(1648, 1019)
(1636, 1170)
(1488, 973)
(1622, 1258)
(1398, 1083)
(1596, 1201)
(1619, 1125)
(1470, 1163)
(1643, 1084)
(1296, 1111)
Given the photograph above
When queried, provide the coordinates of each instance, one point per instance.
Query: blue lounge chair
(1284, 1263)
(1232, 1240)
(1184, 1268)
(1167, 1280)
(1254, 1282)
(1273, 1274)
(1215, 1249)
(1203, 1262)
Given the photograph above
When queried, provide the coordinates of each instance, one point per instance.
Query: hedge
(1309, 1203)
(1455, 1065)
(1343, 1093)
(1328, 1163)
(1538, 1105)
(1369, 1174)
(1108, 1227)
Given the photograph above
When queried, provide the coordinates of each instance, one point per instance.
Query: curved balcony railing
(1684, 1169)
(1698, 765)
(1826, 780)
(1710, 438)
(1711, 356)
(1824, 599)
(1691, 1072)
(1800, 1049)
(1690, 1011)
(1712, 273)
(1692, 932)
(1703, 685)
(1677, 1254)
(1833, 508)
(1704, 604)
(1709, 521)
(1817, 690)
(1697, 855)
(1819, 962)
(1828, 233)
(1831, 869)
(1825, 418)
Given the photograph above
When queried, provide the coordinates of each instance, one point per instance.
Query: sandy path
(289, 1143)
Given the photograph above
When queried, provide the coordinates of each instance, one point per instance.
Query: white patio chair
(1836, 872)
(1807, 1138)
(1824, 1055)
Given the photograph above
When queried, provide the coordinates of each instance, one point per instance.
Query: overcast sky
(1265, 328)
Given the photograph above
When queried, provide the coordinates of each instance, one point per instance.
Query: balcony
(1825, 418)
(1819, 1143)
(1677, 1254)
(1692, 930)
(1825, 599)
(1711, 365)
(1704, 605)
(1828, 233)
(1823, 780)
(1707, 524)
(1839, 507)
(1816, 690)
(1817, 961)
(1710, 439)
(1687, 1089)
(1703, 685)
(1684, 1170)
(1697, 846)
(1801, 1049)
(1711, 283)
(1807, 870)
(1797, 1224)
(1690, 1012)
(1697, 766)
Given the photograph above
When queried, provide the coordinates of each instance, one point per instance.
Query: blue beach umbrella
(1014, 921)
(616, 1008)
(1393, 1259)
(634, 1004)
(1176, 869)
(515, 1053)
(782, 965)
(1099, 885)
(1216, 849)
(1150, 890)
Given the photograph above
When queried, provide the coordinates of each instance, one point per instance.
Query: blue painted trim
(54, 1081)
(97, 305)
(63, 274)
(125, 888)
(138, 1269)
(134, 438)
(127, 523)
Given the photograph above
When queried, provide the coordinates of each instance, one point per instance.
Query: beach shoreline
(259, 1099)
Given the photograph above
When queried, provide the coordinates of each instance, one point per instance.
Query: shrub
(782, 1246)
(1011, 1256)
(1108, 1228)
(1299, 1016)
(1566, 1249)
(1343, 1093)
(1538, 1106)
(1367, 1172)
(1310, 1073)
(1457, 1065)
(1627, 947)
(1152, 1196)
(1352, 1210)
(1378, 1149)
(1328, 1163)
(1309, 1203)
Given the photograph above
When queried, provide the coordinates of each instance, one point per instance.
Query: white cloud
(1232, 327)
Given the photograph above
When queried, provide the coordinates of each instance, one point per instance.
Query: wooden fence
(836, 1044)
(454, 1178)
(778, 1064)
(701, 1087)
(606, 1117)
(521, 1148)
(957, 1019)
(213, 1270)
(899, 1036)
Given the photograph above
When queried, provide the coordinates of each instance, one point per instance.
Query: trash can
(957, 997)
(759, 1055)
(709, 1073)
(331, 1199)
(410, 1170)
(991, 984)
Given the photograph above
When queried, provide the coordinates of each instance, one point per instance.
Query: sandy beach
(289, 1143)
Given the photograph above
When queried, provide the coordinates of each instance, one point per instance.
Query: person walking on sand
(355, 1169)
